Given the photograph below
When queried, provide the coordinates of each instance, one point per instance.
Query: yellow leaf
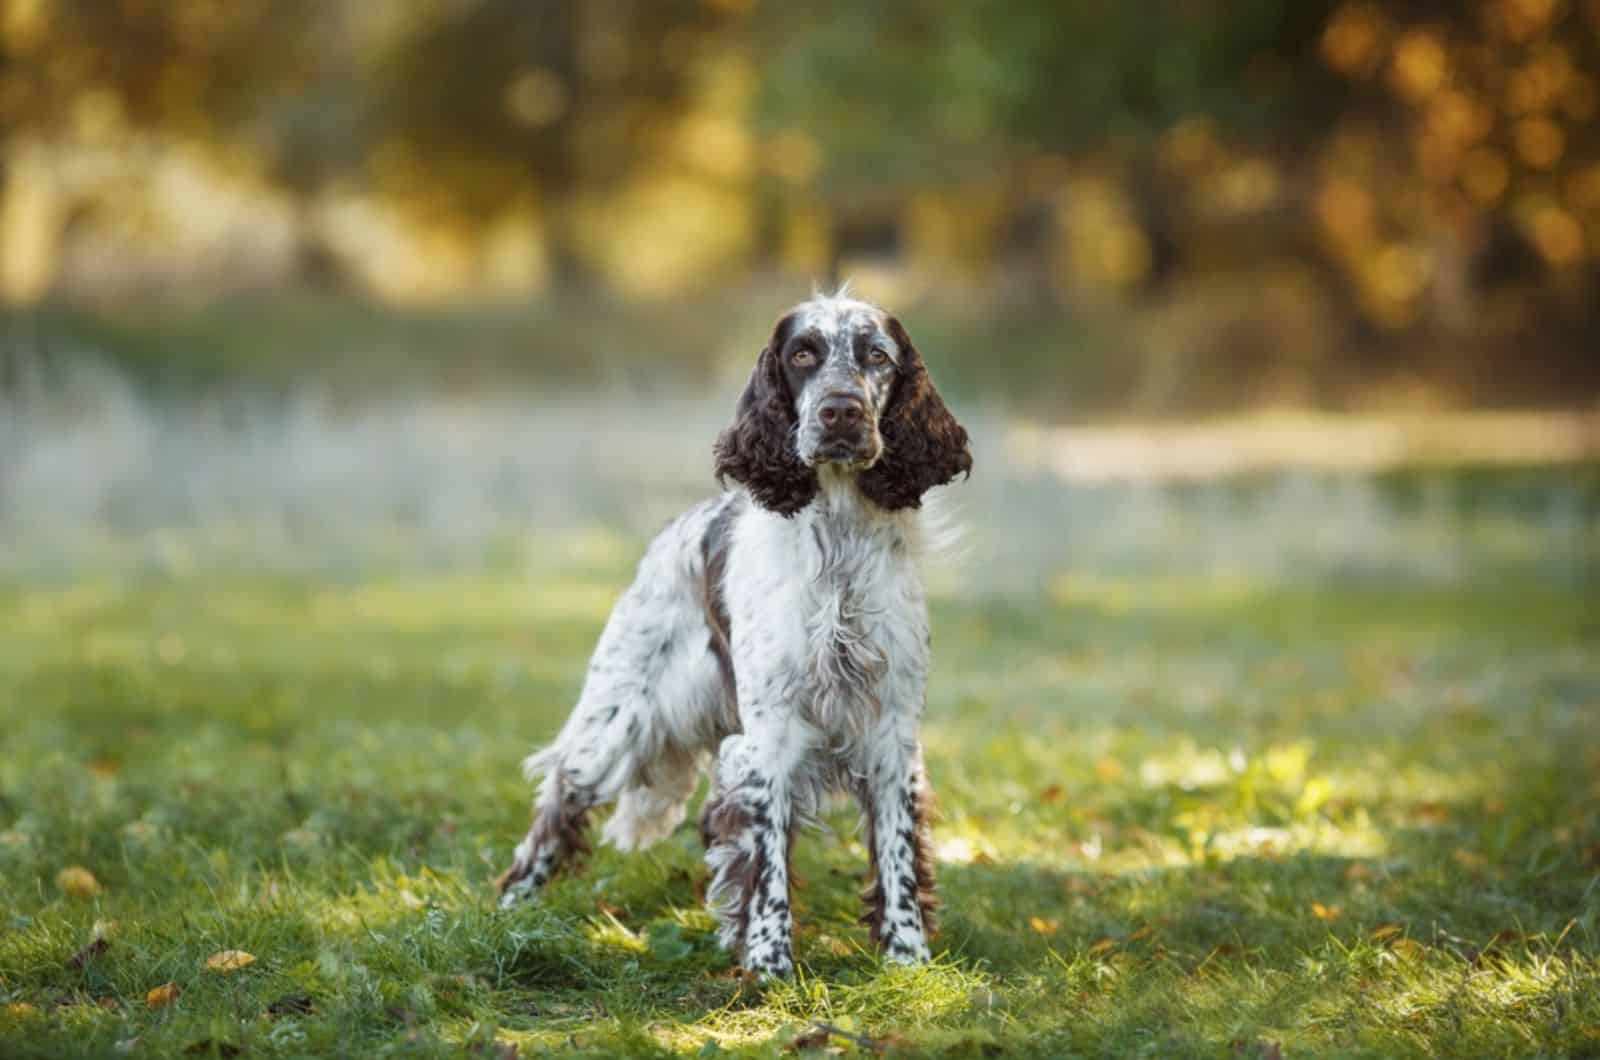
(162, 996)
(18, 1009)
(1325, 912)
(78, 882)
(1043, 925)
(1103, 946)
(1143, 933)
(1386, 931)
(229, 960)
(1469, 859)
(1410, 949)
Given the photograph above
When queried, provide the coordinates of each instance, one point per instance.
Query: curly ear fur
(923, 445)
(758, 449)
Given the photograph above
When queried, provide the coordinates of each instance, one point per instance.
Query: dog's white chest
(859, 606)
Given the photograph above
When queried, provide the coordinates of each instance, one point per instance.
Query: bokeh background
(459, 268)
(350, 352)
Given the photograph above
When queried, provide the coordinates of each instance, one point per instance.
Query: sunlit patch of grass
(1176, 815)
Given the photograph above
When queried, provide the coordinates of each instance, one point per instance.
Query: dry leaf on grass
(78, 882)
(229, 960)
(1326, 912)
(1044, 925)
(1103, 946)
(162, 996)
(1386, 931)
(1409, 949)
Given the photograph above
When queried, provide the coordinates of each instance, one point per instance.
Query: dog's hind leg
(651, 707)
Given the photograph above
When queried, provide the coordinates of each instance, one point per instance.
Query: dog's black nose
(839, 411)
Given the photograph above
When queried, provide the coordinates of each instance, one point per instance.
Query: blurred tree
(481, 104)
(97, 74)
(920, 92)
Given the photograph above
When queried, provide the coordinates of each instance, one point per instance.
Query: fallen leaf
(18, 1009)
(1326, 912)
(615, 912)
(835, 946)
(1469, 859)
(1103, 946)
(1143, 933)
(1410, 949)
(162, 996)
(1043, 925)
(814, 1038)
(229, 960)
(78, 882)
(1503, 937)
(1358, 871)
(95, 949)
(1050, 794)
(1107, 769)
(1386, 931)
(1432, 811)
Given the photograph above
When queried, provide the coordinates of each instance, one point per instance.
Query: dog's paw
(516, 893)
(906, 950)
(518, 883)
(768, 962)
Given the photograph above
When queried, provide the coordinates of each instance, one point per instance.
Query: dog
(777, 635)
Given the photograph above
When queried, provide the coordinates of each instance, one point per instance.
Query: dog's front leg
(895, 806)
(747, 831)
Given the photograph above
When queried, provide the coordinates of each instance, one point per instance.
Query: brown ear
(758, 449)
(923, 445)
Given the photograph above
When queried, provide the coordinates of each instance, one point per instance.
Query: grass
(1201, 816)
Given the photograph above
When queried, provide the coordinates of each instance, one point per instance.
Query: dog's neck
(841, 515)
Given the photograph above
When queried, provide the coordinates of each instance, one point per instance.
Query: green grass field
(1180, 816)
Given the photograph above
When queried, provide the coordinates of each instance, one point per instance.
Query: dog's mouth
(850, 454)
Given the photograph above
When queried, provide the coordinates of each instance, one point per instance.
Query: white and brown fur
(778, 635)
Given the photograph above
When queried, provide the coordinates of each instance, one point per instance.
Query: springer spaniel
(778, 633)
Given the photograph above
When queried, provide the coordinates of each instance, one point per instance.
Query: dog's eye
(803, 358)
(877, 356)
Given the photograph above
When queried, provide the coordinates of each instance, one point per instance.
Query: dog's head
(840, 384)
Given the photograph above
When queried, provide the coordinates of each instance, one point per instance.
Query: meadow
(1260, 769)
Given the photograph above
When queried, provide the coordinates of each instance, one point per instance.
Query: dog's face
(840, 384)
(839, 362)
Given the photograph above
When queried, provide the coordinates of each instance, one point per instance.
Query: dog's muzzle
(846, 435)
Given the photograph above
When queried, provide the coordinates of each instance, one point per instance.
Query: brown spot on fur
(725, 821)
(921, 864)
(923, 445)
(715, 545)
(562, 822)
(758, 449)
